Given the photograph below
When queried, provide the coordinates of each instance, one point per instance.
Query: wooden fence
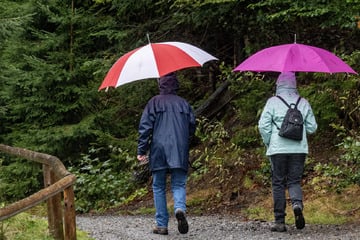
(58, 189)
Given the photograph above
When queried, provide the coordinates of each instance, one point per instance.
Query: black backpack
(293, 124)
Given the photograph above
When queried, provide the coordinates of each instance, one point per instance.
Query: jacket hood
(286, 83)
(168, 84)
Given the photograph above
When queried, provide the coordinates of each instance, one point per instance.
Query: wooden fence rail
(58, 188)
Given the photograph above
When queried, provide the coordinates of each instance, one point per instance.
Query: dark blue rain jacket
(165, 127)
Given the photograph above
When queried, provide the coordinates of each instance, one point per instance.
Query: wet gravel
(123, 227)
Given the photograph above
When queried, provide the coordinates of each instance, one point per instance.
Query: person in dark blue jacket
(166, 125)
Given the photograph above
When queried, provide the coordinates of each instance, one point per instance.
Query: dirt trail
(123, 227)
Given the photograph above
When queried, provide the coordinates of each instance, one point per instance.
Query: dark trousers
(287, 171)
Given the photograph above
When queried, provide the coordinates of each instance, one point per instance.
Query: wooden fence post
(69, 212)
(55, 215)
(58, 184)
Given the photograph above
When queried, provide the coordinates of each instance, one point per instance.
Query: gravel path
(121, 227)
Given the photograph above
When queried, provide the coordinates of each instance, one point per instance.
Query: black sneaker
(160, 230)
(278, 227)
(183, 225)
(299, 217)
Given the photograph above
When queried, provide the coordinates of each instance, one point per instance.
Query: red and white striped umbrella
(153, 61)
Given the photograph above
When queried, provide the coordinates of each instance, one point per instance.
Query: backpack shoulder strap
(283, 101)
(297, 102)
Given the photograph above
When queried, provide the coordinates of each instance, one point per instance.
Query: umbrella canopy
(153, 61)
(294, 58)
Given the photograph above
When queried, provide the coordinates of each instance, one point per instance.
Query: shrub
(101, 184)
(28, 177)
(343, 173)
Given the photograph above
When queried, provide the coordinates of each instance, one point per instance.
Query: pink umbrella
(294, 58)
(153, 61)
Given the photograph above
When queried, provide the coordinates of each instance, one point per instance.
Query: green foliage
(246, 137)
(351, 146)
(320, 96)
(343, 173)
(213, 133)
(343, 12)
(334, 99)
(218, 157)
(41, 90)
(103, 184)
(138, 193)
(262, 174)
(12, 19)
(252, 92)
(28, 177)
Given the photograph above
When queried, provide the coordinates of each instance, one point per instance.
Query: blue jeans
(178, 189)
(287, 170)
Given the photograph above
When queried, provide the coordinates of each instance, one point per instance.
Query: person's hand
(142, 158)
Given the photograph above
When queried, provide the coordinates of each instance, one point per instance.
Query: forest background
(54, 55)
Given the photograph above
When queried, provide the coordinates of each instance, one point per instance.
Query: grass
(26, 226)
(142, 211)
(320, 208)
(335, 208)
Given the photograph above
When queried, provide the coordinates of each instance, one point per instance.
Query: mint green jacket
(275, 110)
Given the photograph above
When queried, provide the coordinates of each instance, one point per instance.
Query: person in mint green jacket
(287, 156)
